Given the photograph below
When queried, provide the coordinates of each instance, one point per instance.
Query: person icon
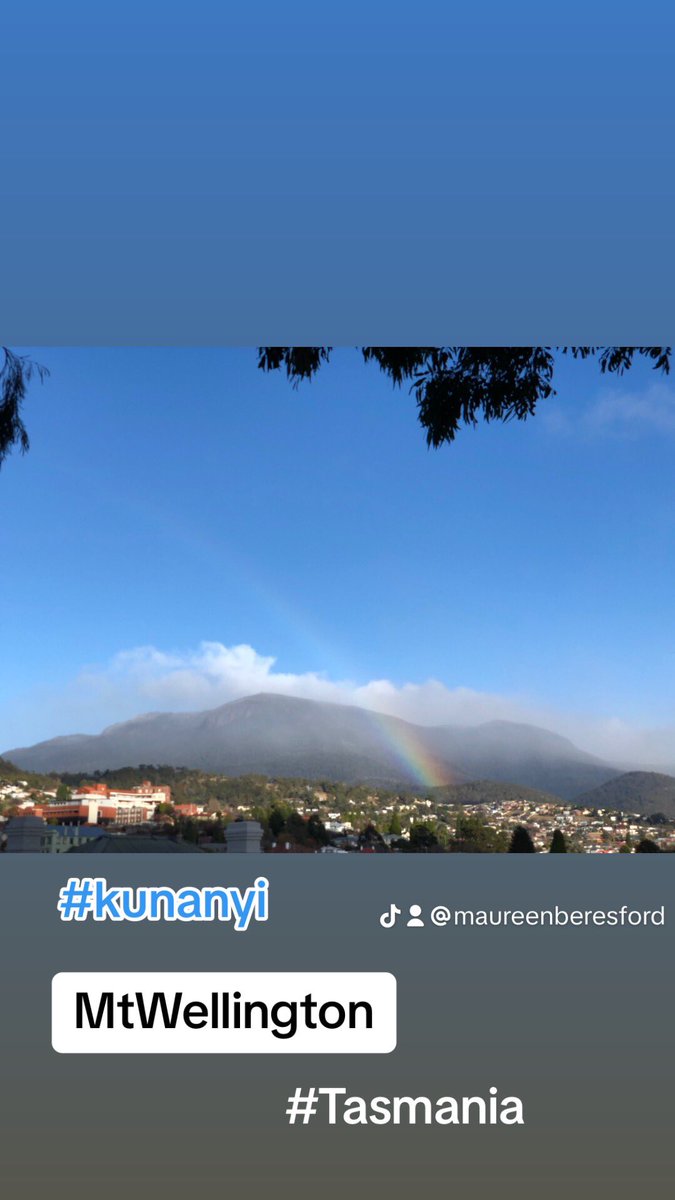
(415, 921)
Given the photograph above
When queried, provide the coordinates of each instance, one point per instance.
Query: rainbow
(403, 739)
(397, 735)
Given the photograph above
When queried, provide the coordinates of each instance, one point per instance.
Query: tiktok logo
(388, 918)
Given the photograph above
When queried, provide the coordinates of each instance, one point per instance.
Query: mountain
(284, 736)
(507, 752)
(263, 734)
(644, 792)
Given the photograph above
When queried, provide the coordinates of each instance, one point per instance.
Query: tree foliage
(16, 372)
(473, 835)
(521, 842)
(371, 840)
(423, 839)
(453, 385)
(316, 830)
(395, 824)
(647, 846)
(458, 385)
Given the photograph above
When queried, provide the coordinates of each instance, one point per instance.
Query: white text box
(223, 1013)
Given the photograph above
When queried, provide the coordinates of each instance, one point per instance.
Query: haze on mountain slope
(284, 736)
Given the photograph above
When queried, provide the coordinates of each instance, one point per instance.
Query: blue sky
(186, 529)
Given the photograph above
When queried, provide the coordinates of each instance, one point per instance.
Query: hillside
(10, 773)
(644, 792)
(486, 791)
(226, 791)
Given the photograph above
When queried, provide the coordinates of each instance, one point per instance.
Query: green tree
(395, 823)
(442, 835)
(423, 838)
(296, 829)
(276, 821)
(458, 385)
(558, 843)
(63, 793)
(216, 828)
(188, 829)
(521, 842)
(316, 830)
(474, 836)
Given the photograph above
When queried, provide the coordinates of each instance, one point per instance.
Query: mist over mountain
(285, 736)
(510, 752)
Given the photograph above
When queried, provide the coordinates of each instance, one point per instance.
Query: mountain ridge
(275, 735)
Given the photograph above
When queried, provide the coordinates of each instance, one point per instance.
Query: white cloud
(632, 413)
(616, 413)
(212, 674)
(149, 679)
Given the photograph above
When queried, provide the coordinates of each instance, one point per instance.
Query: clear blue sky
(175, 497)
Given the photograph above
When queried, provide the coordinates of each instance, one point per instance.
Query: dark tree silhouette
(647, 846)
(276, 821)
(316, 830)
(16, 372)
(453, 385)
(558, 843)
(422, 838)
(371, 839)
(521, 842)
(457, 385)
